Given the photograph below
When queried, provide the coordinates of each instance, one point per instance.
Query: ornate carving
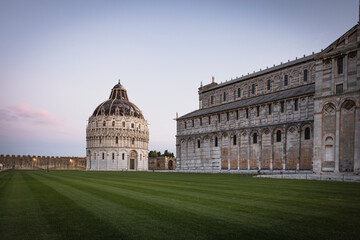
(352, 55)
(349, 106)
(329, 109)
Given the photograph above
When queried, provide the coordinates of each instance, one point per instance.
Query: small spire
(119, 81)
(213, 78)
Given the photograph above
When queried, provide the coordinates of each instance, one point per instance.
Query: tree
(154, 154)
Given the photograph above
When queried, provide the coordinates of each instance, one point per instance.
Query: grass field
(141, 205)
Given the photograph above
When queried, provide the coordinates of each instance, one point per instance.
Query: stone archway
(133, 161)
(347, 136)
(170, 165)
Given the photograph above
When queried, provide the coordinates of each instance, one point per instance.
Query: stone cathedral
(302, 115)
(117, 135)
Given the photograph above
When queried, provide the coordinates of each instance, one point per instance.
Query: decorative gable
(345, 43)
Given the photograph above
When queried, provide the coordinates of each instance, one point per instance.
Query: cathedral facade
(117, 135)
(303, 115)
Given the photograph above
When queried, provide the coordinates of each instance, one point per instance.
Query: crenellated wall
(42, 162)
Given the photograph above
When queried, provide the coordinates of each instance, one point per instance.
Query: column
(284, 147)
(337, 138)
(272, 148)
(260, 149)
(248, 152)
(357, 141)
(229, 151)
(238, 150)
(299, 149)
(345, 64)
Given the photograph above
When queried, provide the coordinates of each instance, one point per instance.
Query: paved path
(313, 176)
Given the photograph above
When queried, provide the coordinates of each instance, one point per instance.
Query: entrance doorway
(132, 164)
(133, 161)
(170, 165)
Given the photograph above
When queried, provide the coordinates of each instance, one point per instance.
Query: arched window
(255, 138)
(296, 104)
(224, 96)
(113, 156)
(94, 156)
(117, 140)
(103, 155)
(216, 141)
(270, 109)
(100, 139)
(132, 125)
(307, 133)
(234, 140)
(123, 156)
(286, 80)
(123, 124)
(198, 143)
(239, 92)
(209, 119)
(113, 123)
(97, 124)
(278, 136)
(104, 123)
(305, 75)
(140, 156)
(340, 65)
(253, 89)
(268, 84)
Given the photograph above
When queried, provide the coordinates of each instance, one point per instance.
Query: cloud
(24, 130)
(22, 113)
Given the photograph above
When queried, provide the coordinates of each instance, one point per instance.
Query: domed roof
(118, 104)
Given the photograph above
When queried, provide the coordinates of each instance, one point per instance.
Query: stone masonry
(41, 162)
(299, 116)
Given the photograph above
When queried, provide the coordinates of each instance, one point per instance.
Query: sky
(60, 59)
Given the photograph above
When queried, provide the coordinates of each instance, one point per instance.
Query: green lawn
(141, 205)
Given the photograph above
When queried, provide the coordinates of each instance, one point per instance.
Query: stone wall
(298, 116)
(337, 104)
(243, 136)
(42, 162)
(162, 163)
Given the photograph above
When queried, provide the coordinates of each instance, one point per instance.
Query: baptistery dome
(118, 104)
(117, 136)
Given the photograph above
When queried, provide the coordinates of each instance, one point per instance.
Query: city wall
(41, 162)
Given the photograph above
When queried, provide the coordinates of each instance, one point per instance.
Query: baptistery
(117, 135)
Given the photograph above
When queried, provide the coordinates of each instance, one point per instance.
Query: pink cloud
(23, 124)
(22, 113)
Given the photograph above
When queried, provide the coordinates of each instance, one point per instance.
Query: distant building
(162, 163)
(302, 115)
(117, 135)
